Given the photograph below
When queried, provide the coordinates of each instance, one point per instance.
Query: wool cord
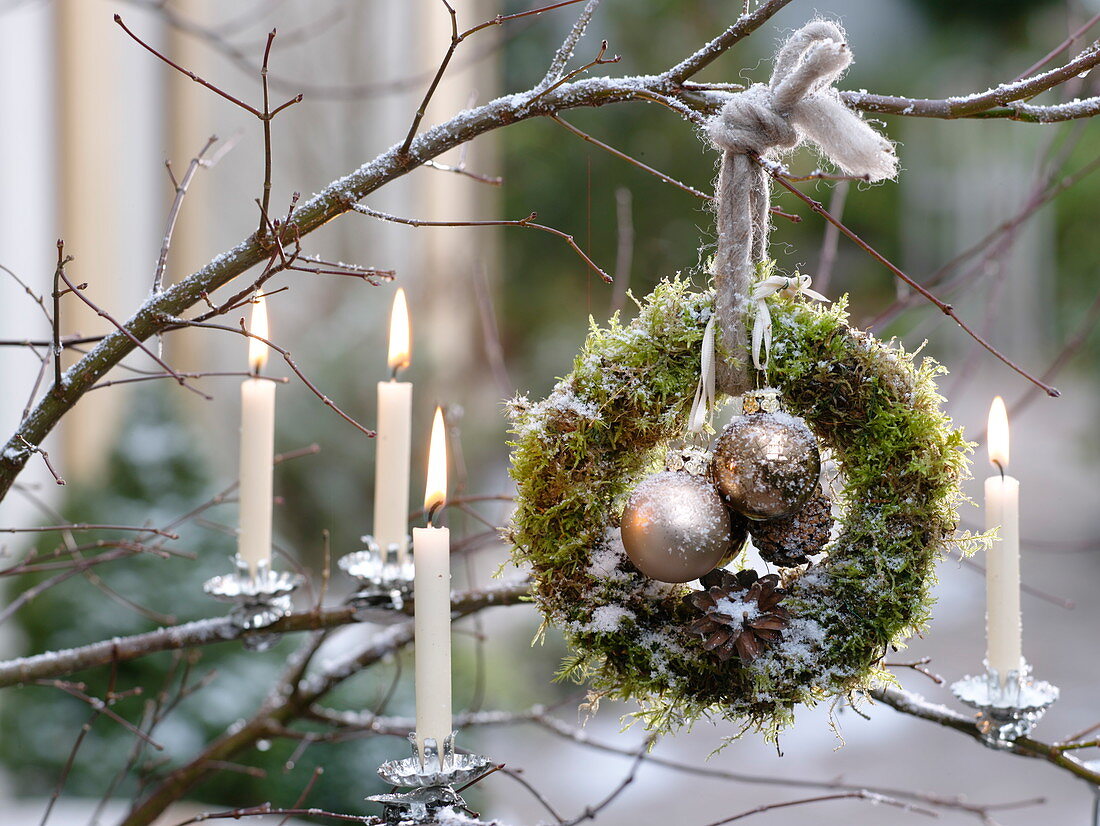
(798, 104)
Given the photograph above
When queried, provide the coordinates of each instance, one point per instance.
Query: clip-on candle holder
(1006, 710)
(260, 599)
(385, 581)
(431, 781)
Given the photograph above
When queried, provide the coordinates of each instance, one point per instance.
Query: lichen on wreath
(578, 453)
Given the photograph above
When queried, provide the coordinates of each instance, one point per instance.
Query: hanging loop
(798, 104)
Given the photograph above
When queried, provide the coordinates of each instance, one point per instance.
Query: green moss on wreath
(579, 452)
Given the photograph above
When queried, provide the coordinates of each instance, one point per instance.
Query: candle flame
(997, 434)
(257, 350)
(435, 492)
(400, 349)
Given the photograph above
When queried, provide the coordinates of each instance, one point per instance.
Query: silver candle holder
(385, 582)
(431, 781)
(260, 599)
(1007, 710)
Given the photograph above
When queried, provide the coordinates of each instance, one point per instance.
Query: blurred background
(1001, 216)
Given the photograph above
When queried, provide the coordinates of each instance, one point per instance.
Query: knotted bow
(762, 325)
(799, 103)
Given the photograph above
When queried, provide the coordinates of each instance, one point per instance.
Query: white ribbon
(704, 392)
(762, 325)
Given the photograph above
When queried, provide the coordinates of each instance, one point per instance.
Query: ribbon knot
(788, 286)
(705, 390)
(800, 103)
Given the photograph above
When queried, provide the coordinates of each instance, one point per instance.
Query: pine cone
(741, 613)
(791, 540)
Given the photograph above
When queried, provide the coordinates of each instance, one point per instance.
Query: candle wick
(393, 372)
(997, 464)
(433, 510)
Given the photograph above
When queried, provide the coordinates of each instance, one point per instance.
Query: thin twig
(55, 795)
(266, 115)
(945, 308)
(599, 60)
(103, 706)
(216, 90)
(177, 205)
(830, 239)
(122, 328)
(527, 223)
(58, 274)
(517, 775)
(35, 297)
(291, 363)
(1061, 47)
(45, 458)
(266, 119)
(919, 667)
(668, 179)
(856, 795)
(745, 25)
(565, 51)
(266, 809)
(423, 107)
(84, 526)
(590, 812)
(456, 39)
(460, 169)
(200, 375)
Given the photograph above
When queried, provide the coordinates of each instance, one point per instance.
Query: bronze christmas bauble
(675, 527)
(766, 465)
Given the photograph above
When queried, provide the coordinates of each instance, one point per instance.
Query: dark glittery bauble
(790, 540)
(675, 527)
(739, 535)
(766, 465)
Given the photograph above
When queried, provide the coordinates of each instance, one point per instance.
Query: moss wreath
(579, 452)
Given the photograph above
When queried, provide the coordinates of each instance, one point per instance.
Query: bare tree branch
(209, 631)
(916, 706)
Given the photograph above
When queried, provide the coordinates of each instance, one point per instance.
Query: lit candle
(1002, 578)
(391, 468)
(432, 618)
(257, 448)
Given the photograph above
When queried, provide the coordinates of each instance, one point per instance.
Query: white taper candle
(1004, 650)
(257, 449)
(391, 469)
(432, 619)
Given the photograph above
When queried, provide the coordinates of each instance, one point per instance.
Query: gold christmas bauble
(675, 527)
(766, 465)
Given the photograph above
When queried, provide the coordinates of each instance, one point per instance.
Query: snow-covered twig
(54, 664)
(916, 706)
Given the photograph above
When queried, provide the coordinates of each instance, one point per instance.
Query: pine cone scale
(747, 647)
